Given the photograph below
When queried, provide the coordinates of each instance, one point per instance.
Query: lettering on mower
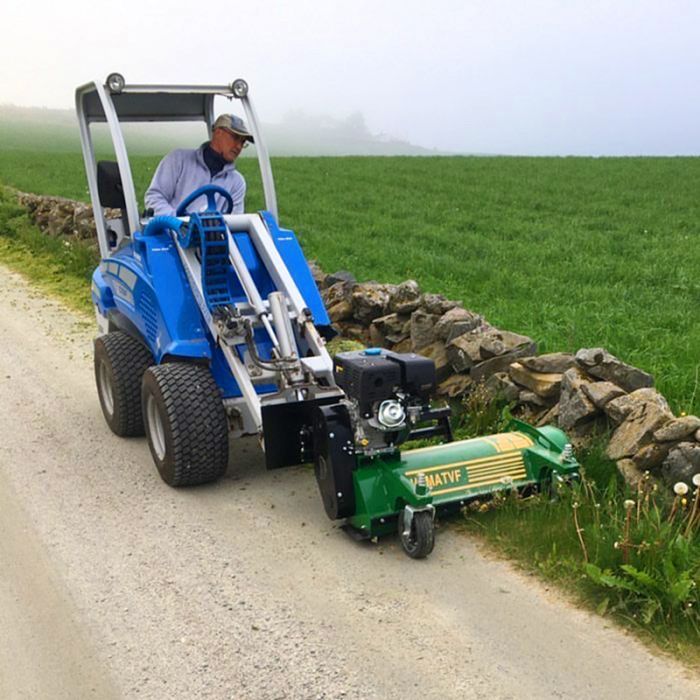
(443, 478)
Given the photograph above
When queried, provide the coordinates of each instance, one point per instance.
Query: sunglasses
(237, 137)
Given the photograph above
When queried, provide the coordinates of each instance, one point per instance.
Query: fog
(506, 77)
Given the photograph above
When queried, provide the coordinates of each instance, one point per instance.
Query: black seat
(109, 185)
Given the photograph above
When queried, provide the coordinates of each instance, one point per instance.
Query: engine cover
(367, 377)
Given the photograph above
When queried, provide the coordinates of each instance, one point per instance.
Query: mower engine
(388, 395)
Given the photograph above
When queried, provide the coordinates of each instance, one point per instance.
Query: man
(182, 171)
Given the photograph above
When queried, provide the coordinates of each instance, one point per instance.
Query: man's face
(227, 144)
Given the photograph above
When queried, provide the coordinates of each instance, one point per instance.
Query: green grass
(575, 252)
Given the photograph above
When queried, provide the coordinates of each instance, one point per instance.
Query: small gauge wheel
(420, 540)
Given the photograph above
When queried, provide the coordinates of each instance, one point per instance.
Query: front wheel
(418, 539)
(120, 361)
(186, 423)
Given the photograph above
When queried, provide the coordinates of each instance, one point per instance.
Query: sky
(527, 77)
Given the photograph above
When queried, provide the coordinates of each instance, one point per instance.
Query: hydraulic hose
(161, 224)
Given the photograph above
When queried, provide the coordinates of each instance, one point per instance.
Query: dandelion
(696, 479)
(629, 504)
(680, 488)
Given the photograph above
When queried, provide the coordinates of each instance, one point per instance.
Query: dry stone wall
(58, 216)
(583, 393)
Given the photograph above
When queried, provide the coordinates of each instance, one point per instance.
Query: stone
(574, 405)
(340, 276)
(599, 363)
(513, 341)
(422, 329)
(464, 351)
(551, 363)
(630, 472)
(461, 327)
(394, 327)
(500, 387)
(650, 395)
(527, 396)
(370, 301)
(492, 345)
(677, 429)
(355, 331)
(402, 346)
(467, 321)
(636, 430)
(376, 337)
(405, 298)
(619, 408)
(482, 371)
(542, 384)
(436, 304)
(551, 417)
(436, 352)
(651, 456)
(335, 293)
(601, 393)
(682, 463)
(454, 386)
(342, 311)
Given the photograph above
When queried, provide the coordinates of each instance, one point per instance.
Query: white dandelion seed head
(680, 488)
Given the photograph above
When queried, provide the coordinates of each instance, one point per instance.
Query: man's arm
(161, 193)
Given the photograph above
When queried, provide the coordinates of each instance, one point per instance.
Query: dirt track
(114, 585)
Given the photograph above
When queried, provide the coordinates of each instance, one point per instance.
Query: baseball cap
(231, 122)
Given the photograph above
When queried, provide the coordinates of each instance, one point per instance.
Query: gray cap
(235, 124)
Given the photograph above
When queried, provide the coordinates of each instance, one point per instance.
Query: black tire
(120, 362)
(421, 540)
(186, 423)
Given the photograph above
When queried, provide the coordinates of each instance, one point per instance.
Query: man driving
(184, 170)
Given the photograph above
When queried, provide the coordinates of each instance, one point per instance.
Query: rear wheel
(186, 423)
(419, 541)
(120, 362)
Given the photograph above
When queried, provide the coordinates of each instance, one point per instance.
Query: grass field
(575, 252)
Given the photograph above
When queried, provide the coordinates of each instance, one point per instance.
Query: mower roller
(211, 327)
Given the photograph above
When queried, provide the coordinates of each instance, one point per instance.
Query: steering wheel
(209, 191)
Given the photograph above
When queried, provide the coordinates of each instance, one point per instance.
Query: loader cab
(116, 102)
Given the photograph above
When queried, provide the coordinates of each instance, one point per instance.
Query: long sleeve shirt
(181, 172)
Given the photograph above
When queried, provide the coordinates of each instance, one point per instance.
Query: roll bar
(116, 102)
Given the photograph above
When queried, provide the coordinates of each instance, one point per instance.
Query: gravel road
(114, 585)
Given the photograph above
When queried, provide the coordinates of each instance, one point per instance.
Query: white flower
(680, 488)
(696, 479)
(629, 504)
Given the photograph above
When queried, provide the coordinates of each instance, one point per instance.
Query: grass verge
(633, 557)
(58, 266)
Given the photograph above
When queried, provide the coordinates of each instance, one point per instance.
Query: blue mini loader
(211, 327)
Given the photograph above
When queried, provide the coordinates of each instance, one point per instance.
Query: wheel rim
(106, 389)
(156, 432)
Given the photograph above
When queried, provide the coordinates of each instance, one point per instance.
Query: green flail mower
(365, 478)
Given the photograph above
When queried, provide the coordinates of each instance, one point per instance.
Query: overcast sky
(511, 76)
